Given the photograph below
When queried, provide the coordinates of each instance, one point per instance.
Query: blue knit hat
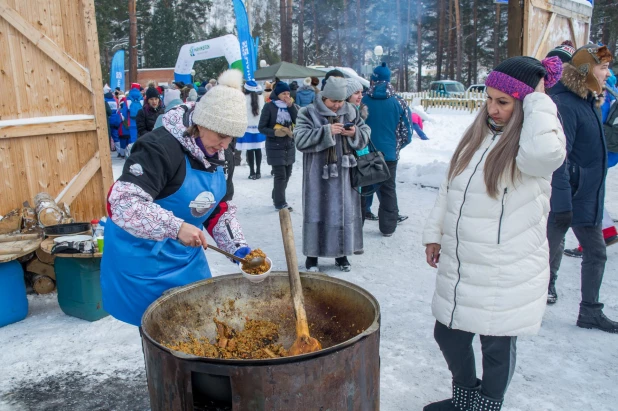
(382, 73)
(281, 87)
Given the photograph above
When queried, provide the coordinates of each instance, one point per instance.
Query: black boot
(483, 403)
(597, 320)
(463, 399)
(311, 264)
(552, 295)
(343, 264)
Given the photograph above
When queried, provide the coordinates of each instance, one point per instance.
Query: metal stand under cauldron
(345, 375)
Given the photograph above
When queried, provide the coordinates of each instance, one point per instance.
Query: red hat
(135, 85)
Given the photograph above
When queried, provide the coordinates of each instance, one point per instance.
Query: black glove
(563, 220)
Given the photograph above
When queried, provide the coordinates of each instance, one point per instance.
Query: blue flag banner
(116, 72)
(247, 51)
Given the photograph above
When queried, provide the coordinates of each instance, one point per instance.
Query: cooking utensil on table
(253, 263)
(304, 343)
(67, 229)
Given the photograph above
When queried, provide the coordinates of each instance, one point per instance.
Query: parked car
(476, 88)
(447, 88)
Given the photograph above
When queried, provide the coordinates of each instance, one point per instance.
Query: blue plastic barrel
(13, 300)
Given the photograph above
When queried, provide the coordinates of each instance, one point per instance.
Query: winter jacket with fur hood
(494, 264)
(579, 185)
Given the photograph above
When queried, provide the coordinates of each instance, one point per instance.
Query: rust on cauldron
(344, 375)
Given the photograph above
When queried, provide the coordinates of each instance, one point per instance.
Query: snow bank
(426, 162)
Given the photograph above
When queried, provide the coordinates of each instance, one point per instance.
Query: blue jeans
(369, 199)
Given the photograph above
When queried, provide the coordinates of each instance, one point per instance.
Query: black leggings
(254, 158)
(498, 359)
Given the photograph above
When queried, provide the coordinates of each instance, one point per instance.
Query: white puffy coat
(494, 264)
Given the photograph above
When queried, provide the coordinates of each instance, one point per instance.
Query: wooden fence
(53, 127)
(470, 101)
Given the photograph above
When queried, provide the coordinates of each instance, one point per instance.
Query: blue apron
(136, 271)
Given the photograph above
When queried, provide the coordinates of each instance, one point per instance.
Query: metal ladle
(255, 262)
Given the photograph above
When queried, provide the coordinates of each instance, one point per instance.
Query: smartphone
(348, 126)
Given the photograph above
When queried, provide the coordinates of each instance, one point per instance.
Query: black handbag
(370, 169)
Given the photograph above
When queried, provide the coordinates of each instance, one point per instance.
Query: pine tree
(174, 23)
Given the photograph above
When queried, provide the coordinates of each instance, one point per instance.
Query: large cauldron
(345, 375)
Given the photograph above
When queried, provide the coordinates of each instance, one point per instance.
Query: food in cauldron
(262, 268)
(257, 341)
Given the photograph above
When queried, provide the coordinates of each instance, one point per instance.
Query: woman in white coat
(487, 231)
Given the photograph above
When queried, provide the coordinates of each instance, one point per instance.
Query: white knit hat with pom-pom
(224, 108)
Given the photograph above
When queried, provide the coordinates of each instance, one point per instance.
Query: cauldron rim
(375, 325)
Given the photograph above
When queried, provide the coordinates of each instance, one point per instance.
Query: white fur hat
(223, 109)
(307, 81)
(171, 95)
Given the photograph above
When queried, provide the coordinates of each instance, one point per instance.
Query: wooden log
(7, 238)
(45, 257)
(36, 266)
(25, 258)
(11, 222)
(47, 210)
(41, 284)
(29, 220)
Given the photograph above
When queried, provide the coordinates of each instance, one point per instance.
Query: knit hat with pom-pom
(564, 51)
(519, 76)
(381, 73)
(223, 108)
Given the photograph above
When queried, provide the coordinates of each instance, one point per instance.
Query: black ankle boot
(483, 403)
(343, 264)
(598, 321)
(552, 295)
(463, 399)
(311, 264)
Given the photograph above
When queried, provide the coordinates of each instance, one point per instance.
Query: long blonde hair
(500, 161)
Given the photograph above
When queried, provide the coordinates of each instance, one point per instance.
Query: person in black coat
(578, 186)
(276, 123)
(147, 116)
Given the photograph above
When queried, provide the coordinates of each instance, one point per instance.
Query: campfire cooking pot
(344, 375)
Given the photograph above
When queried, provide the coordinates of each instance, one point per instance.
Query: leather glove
(242, 252)
(563, 220)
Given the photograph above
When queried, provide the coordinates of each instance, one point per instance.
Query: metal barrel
(344, 375)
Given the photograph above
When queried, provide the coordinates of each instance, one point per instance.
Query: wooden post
(515, 28)
(132, 42)
(98, 101)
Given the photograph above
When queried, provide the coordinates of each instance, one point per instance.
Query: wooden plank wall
(34, 84)
(548, 23)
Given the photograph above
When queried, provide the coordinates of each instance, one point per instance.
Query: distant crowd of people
(136, 112)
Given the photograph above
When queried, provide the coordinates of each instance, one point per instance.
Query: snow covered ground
(51, 361)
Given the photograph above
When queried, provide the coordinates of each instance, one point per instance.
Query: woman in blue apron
(172, 187)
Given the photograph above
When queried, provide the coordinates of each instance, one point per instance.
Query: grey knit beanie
(335, 88)
(353, 86)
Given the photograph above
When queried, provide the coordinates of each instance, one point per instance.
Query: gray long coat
(332, 221)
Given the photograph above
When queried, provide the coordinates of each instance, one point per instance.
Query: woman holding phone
(327, 132)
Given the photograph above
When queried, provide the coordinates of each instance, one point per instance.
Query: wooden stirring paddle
(304, 342)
